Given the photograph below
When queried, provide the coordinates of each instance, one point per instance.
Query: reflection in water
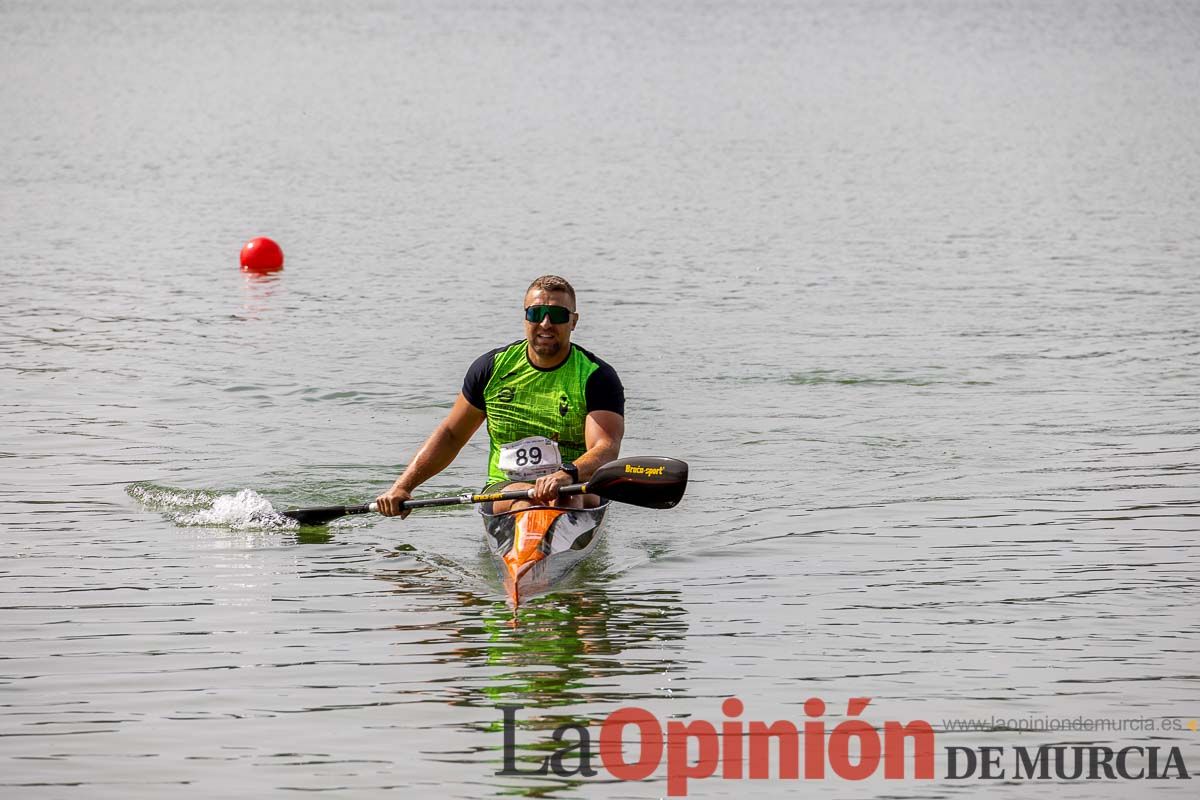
(556, 647)
(313, 534)
(258, 289)
(562, 650)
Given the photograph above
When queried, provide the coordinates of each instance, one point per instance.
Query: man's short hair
(552, 283)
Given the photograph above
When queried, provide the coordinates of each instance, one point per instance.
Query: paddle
(649, 482)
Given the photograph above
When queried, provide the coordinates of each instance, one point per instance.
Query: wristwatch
(571, 470)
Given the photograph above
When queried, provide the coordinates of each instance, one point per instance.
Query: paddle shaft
(466, 499)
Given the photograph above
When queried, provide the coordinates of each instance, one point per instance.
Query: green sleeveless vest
(522, 400)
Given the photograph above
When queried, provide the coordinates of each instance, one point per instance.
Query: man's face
(545, 338)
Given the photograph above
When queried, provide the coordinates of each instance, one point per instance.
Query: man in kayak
(555, 412)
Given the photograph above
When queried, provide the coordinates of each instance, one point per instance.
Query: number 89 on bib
(529, 458)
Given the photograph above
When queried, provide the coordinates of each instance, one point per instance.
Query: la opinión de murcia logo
(853, 750)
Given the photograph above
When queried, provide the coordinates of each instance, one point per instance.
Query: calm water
(912, 286)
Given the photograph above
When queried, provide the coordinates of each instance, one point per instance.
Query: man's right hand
(389, 502)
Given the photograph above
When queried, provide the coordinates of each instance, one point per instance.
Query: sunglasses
(558, 315)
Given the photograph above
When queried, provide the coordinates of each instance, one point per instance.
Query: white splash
(245, 510)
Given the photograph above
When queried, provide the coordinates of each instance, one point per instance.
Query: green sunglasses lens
(558, 314)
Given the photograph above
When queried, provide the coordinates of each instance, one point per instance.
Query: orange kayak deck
(535, 548)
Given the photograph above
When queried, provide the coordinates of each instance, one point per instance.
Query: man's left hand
(545, 489)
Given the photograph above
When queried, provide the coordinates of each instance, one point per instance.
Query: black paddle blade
(649, 482)
(322, 515)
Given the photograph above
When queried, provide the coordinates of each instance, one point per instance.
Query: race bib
(530, 458)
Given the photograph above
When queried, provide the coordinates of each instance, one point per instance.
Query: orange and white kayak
(535, 548)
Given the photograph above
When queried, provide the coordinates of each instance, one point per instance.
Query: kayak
(535, 548)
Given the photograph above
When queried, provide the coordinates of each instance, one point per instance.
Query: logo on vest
(564, 405)
(506, 394)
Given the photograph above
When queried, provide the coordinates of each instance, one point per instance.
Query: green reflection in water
(569, 650)
(313, 534)
(567, 658)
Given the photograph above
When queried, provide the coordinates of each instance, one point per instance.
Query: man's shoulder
(595, 359)
(604, 391)
(488, 359)
(479, 374)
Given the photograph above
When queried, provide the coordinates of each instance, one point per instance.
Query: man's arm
(602, 434)
(434, 456)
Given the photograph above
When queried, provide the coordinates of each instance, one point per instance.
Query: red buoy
(262, 255)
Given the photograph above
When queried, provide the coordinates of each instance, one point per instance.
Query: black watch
(571, 470)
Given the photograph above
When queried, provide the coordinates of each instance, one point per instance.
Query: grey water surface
(912, 286)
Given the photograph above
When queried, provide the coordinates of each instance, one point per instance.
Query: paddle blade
(649, 482)
(322, 515)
